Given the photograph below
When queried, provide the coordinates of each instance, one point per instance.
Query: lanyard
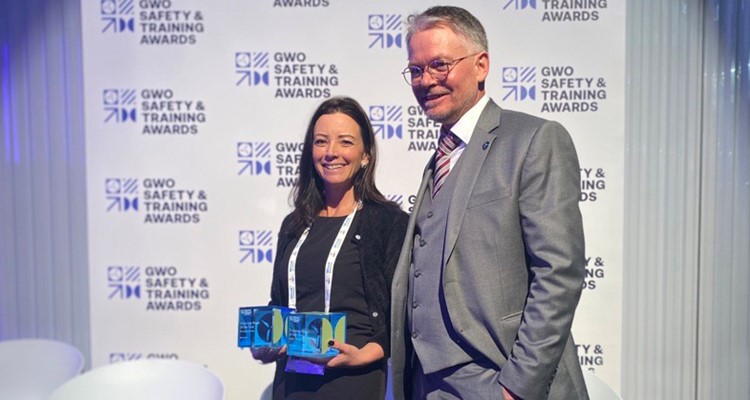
(337, 243)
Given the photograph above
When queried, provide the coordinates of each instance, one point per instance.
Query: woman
(336, 189)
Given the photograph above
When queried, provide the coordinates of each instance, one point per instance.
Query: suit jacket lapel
(426, 179)
(471, 164)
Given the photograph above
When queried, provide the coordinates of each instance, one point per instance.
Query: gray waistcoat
(431, 331)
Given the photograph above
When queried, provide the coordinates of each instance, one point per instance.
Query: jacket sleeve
(392, 238)
(278, 297)
(554, 245)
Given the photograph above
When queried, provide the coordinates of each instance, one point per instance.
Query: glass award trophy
(308, 333)
(262, 326)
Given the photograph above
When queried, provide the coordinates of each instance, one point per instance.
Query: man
(493, 263)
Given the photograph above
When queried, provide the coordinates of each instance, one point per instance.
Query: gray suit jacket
(514, 255)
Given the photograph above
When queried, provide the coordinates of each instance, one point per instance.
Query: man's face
(446, 101)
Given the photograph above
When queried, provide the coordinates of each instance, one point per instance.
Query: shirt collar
(464, 128)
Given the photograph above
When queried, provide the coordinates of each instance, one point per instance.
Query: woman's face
(338, 150)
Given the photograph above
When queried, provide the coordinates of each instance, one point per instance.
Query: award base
(300, 366)
(262, 326)
(308, 333)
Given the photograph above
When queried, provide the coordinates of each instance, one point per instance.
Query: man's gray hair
(458, 19)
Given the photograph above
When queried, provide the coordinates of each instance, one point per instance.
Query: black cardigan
(379, 233)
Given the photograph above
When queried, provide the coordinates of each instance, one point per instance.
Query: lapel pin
(485, 145)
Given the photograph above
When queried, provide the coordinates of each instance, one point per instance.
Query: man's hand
(507, 395)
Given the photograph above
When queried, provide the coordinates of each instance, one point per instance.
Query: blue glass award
(308, 333)
(262, 326)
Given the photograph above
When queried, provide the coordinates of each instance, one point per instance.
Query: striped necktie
(447, 143)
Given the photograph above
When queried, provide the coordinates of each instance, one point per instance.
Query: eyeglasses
(438, 70)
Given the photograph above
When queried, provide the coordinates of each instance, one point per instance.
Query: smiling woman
(345, 233)
(338, 154)
(338, 127)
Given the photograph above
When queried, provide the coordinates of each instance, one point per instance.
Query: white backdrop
(195, 112)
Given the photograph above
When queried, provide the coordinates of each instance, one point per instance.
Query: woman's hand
(350, 356)
(267, 355)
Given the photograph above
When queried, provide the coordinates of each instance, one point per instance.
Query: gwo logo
(124, 282)
(253, 68)
(119, 105)
(256, 246)
(519, 4)
(122, 194)
(254, 158)
(117, 15)
(386, 121)
(519, 83)
(385, 30)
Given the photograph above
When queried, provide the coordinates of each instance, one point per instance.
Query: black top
(347, 289)
(379, 231)
(347, 295)
(361, 287)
